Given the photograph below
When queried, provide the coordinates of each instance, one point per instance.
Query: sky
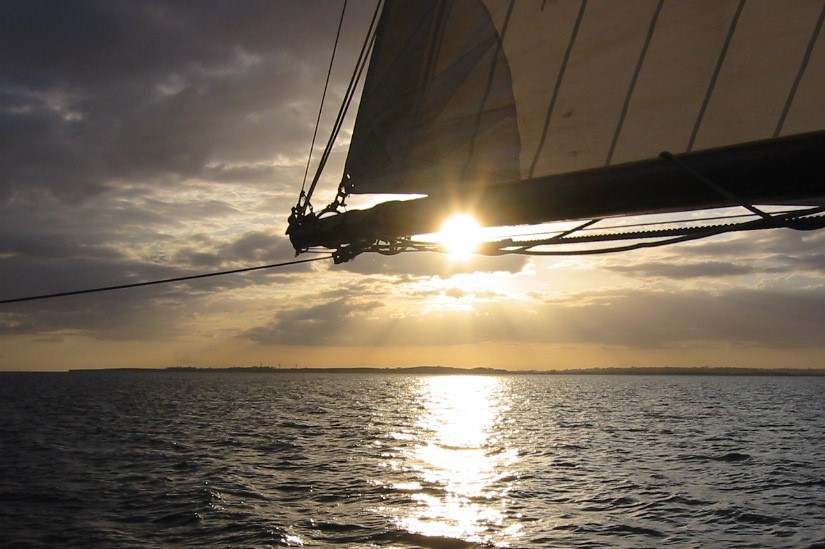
(146, 140)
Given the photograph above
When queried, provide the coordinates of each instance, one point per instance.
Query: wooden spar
(787, 170)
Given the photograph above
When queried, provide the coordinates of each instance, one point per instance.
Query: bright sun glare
(461, 235)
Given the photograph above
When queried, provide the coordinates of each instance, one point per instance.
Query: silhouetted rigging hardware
(163, 281)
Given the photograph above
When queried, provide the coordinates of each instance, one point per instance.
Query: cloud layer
(156, 139)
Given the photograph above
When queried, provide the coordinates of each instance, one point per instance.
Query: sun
(461, 236)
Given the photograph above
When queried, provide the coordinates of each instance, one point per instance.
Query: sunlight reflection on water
(201, 459)
(460, 461)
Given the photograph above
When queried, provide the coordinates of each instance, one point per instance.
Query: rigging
(162, 281)
(324, 94)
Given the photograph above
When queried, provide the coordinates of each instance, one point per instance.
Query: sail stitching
(435, 29)
(802, 68)
(557, 87)
(493, 65)
(651, 29)
(712, 85)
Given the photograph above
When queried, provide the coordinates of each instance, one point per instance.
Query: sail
(524, 112)
(472, 93)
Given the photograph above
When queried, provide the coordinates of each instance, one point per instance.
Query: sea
(201, 459)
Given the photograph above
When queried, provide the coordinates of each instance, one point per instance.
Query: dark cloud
(36, 268)
(770, 253)
(250, 249)
(104, 91)
(33, 245)
(740, 317)
(134, 314)
(141, 315)
(457, 293)
(328, 323)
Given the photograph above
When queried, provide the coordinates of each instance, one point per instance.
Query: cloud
(650, 319)
(770, 253)
(250, 249)
(702, 269)
(432, 264)
(141, 314)
(108, 91)
(36, 265)
(320, 324)
(741, 317)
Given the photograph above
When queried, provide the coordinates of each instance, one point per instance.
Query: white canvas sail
(529, 111)
(470, 93)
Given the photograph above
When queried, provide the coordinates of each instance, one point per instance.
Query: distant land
(448, 370)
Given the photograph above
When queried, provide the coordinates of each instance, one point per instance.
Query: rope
(324, 95)
(800, 220)
(795, 220)
(719, 189)
(164, 281)
(340, 121)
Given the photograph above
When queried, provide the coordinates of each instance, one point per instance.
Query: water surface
(142, 459)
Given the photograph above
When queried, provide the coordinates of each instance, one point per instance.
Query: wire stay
(324, 95)
(164, 281)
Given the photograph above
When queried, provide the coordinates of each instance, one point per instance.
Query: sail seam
(557, 87)
(436, 24)
(650, 31)
(493, 65)
(712, 85)
(802, 68)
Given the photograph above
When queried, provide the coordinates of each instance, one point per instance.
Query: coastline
(450, 370)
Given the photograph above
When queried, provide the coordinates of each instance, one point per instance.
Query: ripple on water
(190, 459)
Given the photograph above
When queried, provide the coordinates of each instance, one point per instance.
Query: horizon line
(457, 370)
